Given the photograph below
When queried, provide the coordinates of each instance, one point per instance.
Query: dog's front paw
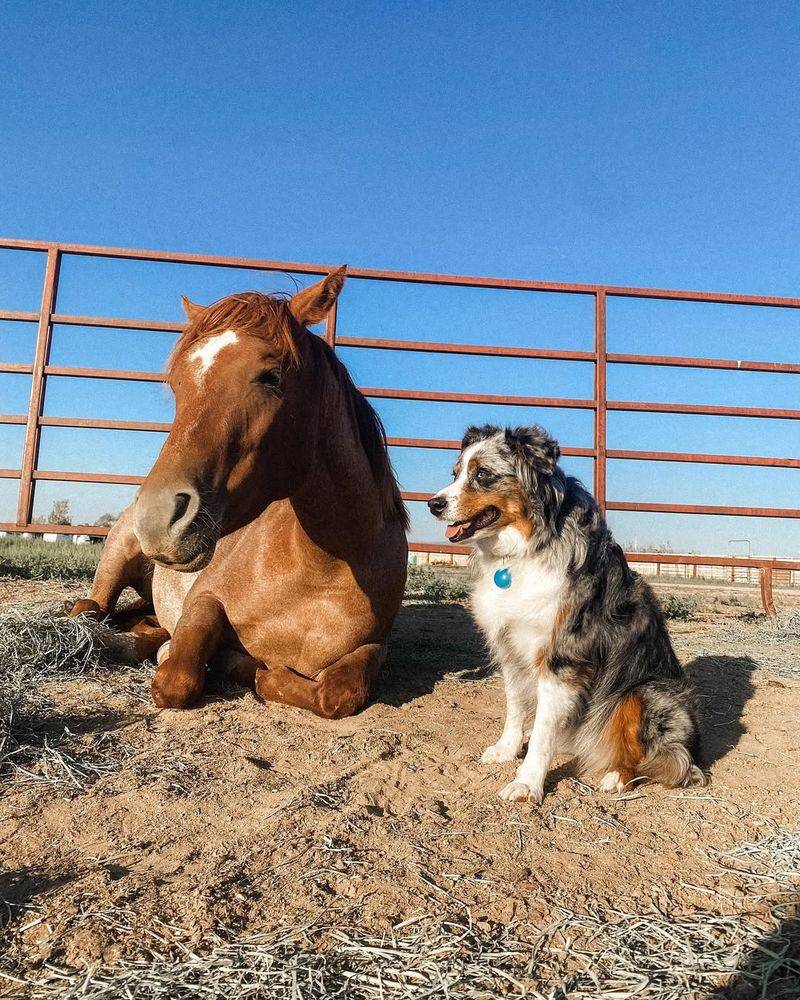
(499, 753)
(518, 791)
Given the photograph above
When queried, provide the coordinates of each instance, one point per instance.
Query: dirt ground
(252, 817)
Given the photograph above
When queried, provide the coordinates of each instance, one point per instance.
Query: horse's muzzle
(173, 527)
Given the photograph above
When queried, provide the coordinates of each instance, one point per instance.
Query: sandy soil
(252, 816)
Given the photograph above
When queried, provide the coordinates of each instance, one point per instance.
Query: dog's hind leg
(649, 735)
(624, 749)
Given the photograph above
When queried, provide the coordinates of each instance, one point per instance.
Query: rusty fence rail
(48, 316)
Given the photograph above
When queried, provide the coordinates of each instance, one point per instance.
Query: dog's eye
(484, 478)
(270, 378)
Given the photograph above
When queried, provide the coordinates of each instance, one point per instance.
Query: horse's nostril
(182, 501)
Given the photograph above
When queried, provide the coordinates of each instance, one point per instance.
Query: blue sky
(624, 143)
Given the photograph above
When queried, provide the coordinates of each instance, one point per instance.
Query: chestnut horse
(270, 533)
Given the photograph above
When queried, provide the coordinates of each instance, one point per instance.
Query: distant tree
(60, 513)
(107, 520)
(635, 546)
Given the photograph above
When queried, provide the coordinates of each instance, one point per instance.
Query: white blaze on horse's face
(206, 353)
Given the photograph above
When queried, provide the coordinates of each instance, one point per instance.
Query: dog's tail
(672, 765)
(670, 734)
(649, 731)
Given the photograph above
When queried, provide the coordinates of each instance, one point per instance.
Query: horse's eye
(270, 377)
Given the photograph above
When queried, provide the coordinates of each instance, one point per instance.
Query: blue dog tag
(502, 578)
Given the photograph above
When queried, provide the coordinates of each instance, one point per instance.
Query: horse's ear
(313, 304)
(192, 309)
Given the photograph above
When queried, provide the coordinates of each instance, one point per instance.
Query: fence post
(30, 452)
(330, 326)
(765, 575)
(600, 399)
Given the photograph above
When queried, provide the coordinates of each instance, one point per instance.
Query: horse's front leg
(181, 674)
(122, 564)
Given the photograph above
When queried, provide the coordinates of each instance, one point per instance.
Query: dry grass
(36, 648)
(784, 627)
(592, 955)
(38, 645)
(777, 640)
(419, 958)
(774, 857)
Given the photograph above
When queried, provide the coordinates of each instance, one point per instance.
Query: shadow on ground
(771, 970)
(724, 685)
(428, 643)
(49, 723)
(20, 889)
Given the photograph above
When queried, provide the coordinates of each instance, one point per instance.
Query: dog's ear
(536, 456)
(473, 434)
(534, 446)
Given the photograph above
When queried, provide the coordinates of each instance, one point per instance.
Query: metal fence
(48, 316)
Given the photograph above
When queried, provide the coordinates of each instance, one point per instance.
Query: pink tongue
(453, 530)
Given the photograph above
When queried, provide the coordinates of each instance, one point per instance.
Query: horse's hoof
(174, 688)
(85, 607)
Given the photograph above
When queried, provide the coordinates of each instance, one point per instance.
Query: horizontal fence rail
(47, 317)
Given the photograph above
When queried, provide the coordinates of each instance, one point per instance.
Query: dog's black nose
(437, 504)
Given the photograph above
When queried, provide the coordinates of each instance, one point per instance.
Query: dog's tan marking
(511, 504)
(624, 736)
(543, 655)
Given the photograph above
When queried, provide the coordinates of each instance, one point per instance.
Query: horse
(269, 538)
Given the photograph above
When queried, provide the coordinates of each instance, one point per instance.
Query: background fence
(41, 370)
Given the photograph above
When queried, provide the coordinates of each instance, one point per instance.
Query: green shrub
(34, 559)
(425, 584)
(679, 607)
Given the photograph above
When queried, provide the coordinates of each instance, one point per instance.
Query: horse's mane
(371, 433)
(268, 317)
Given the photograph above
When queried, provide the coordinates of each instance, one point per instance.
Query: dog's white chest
(525, 613)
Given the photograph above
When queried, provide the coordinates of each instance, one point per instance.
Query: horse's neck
(339, 479)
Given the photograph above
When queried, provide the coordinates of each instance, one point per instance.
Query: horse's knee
(342, 693)
(176, 687)
(339, 691)
(148, 642)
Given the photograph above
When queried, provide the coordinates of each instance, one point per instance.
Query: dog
(579, 637)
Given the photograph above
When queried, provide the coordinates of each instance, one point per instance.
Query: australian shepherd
(579, 637)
